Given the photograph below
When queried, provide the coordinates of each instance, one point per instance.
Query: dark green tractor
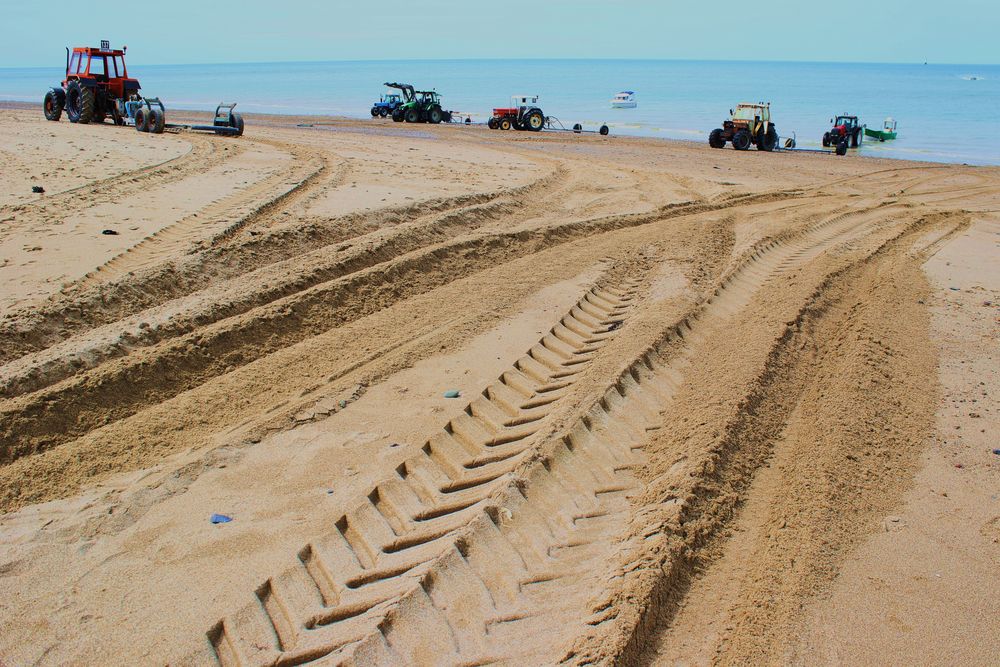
(419, 106)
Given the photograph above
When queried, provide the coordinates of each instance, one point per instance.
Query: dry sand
(715, 407)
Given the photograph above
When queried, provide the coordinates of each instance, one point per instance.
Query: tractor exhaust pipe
(67, 60)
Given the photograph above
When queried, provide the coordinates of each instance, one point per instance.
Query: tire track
(342, 582)
(220, 220)
(498, 589)
(68, 203)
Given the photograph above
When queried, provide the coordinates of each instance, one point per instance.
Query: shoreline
(281, 120)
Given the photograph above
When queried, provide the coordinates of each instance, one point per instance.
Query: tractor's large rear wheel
(397, 115)
(741, 140)
(79, 103)
(53, 104)
(856, 139)
(412, 115)
(383, 112)
(505, 124)
(534, 121)
(434, 115)
(767, 140)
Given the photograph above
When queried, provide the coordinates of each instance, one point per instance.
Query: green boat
(887, 133)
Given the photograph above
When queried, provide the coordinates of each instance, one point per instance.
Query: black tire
(493, 123)
(383, 112)
(534, 121)
(53, 104)
(236, 121)
(142, 119)
(504, 124)
(100, 116)
(79, 103)
(446, 116)
(434, 115)
(397, 115)
(411, 115)
(767, 141)
(741, 140)
(826, 140)
(604, 130)
(715, 138)
(842, 147)
(157, 121)
(374, 112)
(855, 142)
(577, 128)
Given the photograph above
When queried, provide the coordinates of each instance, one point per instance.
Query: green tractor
(419, 106)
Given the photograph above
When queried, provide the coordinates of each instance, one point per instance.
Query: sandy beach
(713, 407)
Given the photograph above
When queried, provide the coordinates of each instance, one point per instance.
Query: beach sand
(714, 407)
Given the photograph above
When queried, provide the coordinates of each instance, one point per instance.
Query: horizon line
(534, 59)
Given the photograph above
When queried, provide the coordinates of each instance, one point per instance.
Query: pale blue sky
(201, 31)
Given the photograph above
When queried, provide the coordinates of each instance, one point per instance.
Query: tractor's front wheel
(53, 104)
(374, 112)
(842, 147)
(715, 139)
(79, 103)
(741, 140)
(434, 115)
(826, 140)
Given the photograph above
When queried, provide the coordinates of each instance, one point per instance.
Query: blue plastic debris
(997, 452)
(451, 393)
(221, 518)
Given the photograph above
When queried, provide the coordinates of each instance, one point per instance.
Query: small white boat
(624, 100)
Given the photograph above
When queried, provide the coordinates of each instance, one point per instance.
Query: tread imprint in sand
(353, 581)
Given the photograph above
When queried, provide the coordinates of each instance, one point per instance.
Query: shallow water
(945, 112)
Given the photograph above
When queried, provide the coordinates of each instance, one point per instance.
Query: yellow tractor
(748, 124)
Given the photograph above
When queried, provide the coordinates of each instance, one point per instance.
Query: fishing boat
(624, 100)
(888, 131)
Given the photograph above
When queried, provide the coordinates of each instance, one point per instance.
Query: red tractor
(523, 115)
(97, 85)
(846, 131)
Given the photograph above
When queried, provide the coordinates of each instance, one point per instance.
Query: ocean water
(945, 113)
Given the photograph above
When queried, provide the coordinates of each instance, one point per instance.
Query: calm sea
(945, 112)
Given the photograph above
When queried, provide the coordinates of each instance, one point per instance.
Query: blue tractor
(385, 106)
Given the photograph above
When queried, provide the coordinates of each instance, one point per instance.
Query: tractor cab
(102, 67)
(428, 97)
(745, 114)
(392, 98)
(846, 123)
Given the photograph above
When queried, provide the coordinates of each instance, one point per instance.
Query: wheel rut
(219, 220)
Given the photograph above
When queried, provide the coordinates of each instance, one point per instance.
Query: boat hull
(881, 135)
(623, 105)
